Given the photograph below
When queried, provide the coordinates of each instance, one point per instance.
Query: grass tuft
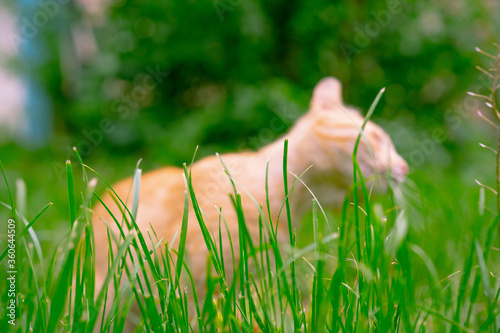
(362, 270)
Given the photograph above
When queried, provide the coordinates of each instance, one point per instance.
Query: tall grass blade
(11, 197)
(137, 190)
(27, 227)
(182, 240)
(71, 192)
(65, 278)
(463, 286)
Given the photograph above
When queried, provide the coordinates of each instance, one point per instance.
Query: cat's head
(337, 127)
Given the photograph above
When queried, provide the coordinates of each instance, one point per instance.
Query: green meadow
(133, 86)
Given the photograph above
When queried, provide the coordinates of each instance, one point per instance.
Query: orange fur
(323, 138)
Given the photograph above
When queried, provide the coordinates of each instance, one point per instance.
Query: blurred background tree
(229, 65)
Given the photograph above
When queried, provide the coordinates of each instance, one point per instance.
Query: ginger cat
(323, 138)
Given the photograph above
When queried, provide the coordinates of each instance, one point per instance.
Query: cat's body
(323, 139)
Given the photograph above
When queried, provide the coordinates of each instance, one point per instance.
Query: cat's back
(158, 189)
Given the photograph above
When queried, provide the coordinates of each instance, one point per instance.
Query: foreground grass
(366, 275)
(367, 269)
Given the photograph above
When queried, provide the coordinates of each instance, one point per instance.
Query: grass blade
(71, 192)
(11, 197)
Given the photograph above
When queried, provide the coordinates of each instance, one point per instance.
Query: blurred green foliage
(232, 64)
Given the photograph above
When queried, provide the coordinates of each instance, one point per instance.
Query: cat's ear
(327, 94)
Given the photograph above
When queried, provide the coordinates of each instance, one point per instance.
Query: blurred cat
(323, 139)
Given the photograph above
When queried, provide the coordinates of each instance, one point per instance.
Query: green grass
(418, 259)
(368, 275)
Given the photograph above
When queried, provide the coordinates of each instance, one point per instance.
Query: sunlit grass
(366, 270)
(362, 277)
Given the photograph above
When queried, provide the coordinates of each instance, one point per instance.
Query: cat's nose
(400, 170)
(403, 168)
